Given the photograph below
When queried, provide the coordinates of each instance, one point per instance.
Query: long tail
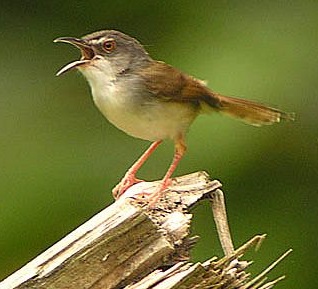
(251, 112)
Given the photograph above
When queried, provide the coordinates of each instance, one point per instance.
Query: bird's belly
(149, 120)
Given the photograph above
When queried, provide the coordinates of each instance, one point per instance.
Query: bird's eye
(109, 45)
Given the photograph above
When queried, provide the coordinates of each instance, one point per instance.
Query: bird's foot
(152, 193)
(127, 181)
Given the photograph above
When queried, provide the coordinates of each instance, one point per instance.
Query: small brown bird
(152, 100)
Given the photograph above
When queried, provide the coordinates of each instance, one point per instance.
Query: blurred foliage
(59, 157)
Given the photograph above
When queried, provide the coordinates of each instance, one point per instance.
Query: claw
(124, 185)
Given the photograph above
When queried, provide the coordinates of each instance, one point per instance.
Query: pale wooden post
(130, 246)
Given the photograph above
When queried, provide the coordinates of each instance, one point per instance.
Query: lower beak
(86, 51)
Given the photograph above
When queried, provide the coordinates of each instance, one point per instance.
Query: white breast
(142, 117)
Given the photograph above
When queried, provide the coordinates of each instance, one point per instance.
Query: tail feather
(252, 112)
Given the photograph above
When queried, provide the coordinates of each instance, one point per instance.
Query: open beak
(86, 51)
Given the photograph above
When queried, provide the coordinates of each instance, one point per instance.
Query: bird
(151, 100)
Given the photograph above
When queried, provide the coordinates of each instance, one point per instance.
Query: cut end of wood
(229, 271)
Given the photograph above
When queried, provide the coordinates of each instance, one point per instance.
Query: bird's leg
(130, 177)
(180, 149)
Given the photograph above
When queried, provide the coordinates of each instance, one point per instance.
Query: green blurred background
(59, 158)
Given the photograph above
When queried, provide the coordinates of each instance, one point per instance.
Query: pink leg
(180, 149)
(130, 177)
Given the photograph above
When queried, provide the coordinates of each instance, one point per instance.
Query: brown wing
(170, 84)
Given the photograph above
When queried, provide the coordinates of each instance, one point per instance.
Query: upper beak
(86, 51)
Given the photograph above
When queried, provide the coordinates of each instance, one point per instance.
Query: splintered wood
(128, 245)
